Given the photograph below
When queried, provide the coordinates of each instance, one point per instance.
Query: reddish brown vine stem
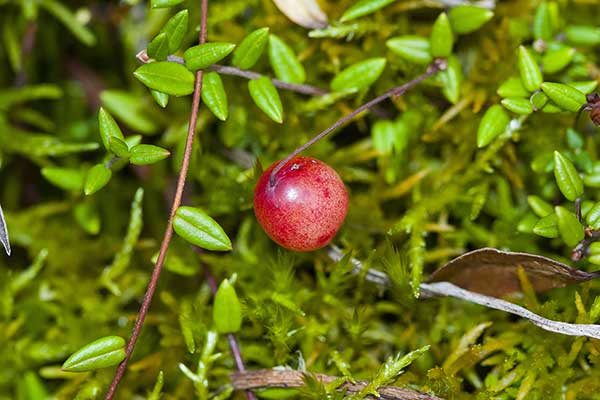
(169, 230)
(439, 64)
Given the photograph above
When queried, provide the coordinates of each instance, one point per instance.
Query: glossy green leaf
(108, 128)
(250, 49)
(97, 177)
(204, 55)
(567, 178)
(585, 35)
(359, 75)
(284, 61)
(547, 227)
(64, 178)
(227, 311)
(101, 353)
(442, 38)
(119, 147)
(527, 223)
(69, 20)
(518, 105)
(158, 48)
(176, 29)
(512, 87)
(555, 60)
(492, 124)
(564, 96)
(12, 45)
(531, 76)
(585, 87)
(265, 96)
(364, 7)
(164, 3)
(466, 19)
(452, 79)
(166, 77)
(144, 154)
(130, 109)
(195, 226)
(412, 48)
(542, 23)
(551, 108)
(539, 100)
(214, 96)
(593, 217)
(569, 227)
(162, 99)
(539, 206)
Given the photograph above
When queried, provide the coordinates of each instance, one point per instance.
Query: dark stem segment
(581, 250)
(438, 64)
(233, 344)
(169, 230)
(227, 70)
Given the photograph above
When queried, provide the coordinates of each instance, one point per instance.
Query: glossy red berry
(305, 205)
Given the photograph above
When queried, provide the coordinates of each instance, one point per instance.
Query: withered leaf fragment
(493, 272)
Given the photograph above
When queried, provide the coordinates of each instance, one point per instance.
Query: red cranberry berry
(303, 207)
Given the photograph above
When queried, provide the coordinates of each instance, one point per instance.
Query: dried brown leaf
(494, 272)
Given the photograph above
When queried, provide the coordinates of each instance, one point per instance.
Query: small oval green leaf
(518, 105)
(195, 226)
(512, 87)
(98, 176)
(593, 217)
(119, 147)
(564, 96)
(101, 353)
(214, 96)
(284, 61)
(265, 96)
(227, 311)
(144, 154)
(585, 35)
(250, 49)
(567, 178)
(64, 178)
(166, 77)
(570, 229)
(492, 124)
(359, 75)
(542, 22)
(584, 87)
(451, 79)
(108, 128)
(204, 55)
(531, 76)
(364, 7)
(411, 48)
(555, 60)
(158, 48)
(539, 206)
(176, 29)
(547, 227)
(442, 38)
(162, 99)
(466, 19)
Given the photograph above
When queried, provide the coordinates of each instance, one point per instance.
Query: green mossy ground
(63, 287)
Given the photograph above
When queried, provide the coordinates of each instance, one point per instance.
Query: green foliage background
(80, 264)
